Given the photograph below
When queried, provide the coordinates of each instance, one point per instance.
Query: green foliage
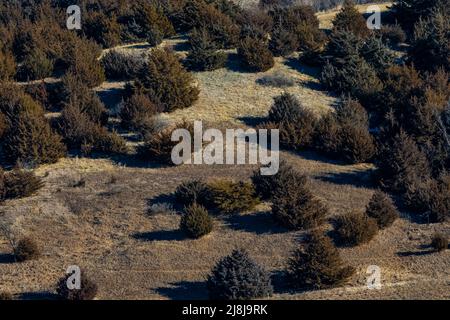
(119, 65)
(196, 221)
(166, 82)
(238, 277)
(317, 264)
(102, 29)
(137, 113)
(231, 197)
(346, 71)
(194, 191)
(355, 228)
(204, 54)
(296, 208)
(296, 123)
(7, 65)
(29, 138)
(430, 46)
(349, 19)
(267, 186)
(382, 209)
(255, 55)
(345, 133)
(158, 145)
(402, 166)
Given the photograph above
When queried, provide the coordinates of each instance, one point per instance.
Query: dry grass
(326, 17)
(103, 225)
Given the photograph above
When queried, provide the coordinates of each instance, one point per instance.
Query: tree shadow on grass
(293, 63)
(39, 295)
(185, 290)
(424, 249)
(415, 253)
(7, 258)
(253, 121)
(160, 235)
(258, 223)
(361, 179)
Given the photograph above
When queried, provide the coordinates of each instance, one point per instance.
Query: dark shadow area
(185, 290)
(295, 64)
(161, 235)
(141, 46)
(360, 179)
(6, 258)
(414, 253)
(111, 97)
(314, 155)
(40, 295)
(234, 64)
(253, 121)
(182, 46)
(280, 282)
(313, 85)
(259, 223)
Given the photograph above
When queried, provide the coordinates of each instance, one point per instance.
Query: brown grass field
(104, 227)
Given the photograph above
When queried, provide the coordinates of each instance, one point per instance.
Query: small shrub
(267, 186)
(88, 289)
(350, 19)
(296, 123)
(286, 107)
(166, 82)
(277, 80)
(294, 207)
(30, 139)
(26, 249)
(238, 277)
(439, 242)
(392, 34)
(382, 209)
(4, 296)
(317, 264)
(196, 221)
(20, 184)
(355, 228)
(137, 112)
(154, 37)
(80, 132)
(194, 191)
(255, 55)
(158, 146)
(230, 197)
(120, 65)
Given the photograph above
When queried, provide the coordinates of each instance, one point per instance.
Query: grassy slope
(104, 227)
